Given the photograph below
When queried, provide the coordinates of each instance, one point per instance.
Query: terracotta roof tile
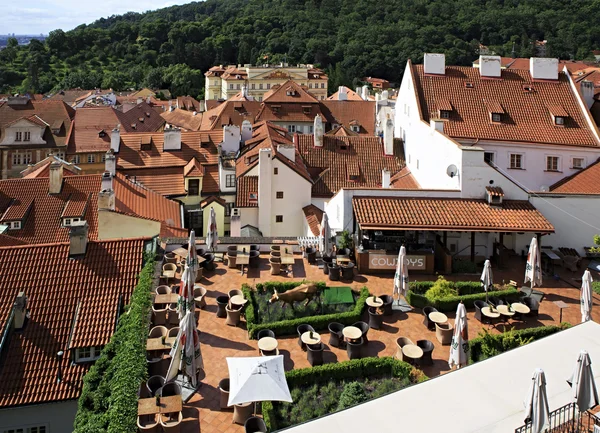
(495, 191)
(246, 185)
(92, 128)
(91, 284)
(351, 95)
(347, 112)
(448, 213)
(17, 209)
(587, 181)
(42, 168)
(210, 181)
(526, 117)
(188, 103)
(211, 199)
(313, 216)
(289, 112)
(77, 204)
(166, 181)
(141, 118)
(184, 119)
(230, 112)
(404, 180)
(290, 91)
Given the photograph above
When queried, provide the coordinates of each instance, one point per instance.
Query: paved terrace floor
(219, 341)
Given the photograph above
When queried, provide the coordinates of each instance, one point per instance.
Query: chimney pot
(172, 139)
(388, 137)
(434, 64)
(20, 309)
(78, 238)
(318, 131)
(385, 178)
(55, 180)
(115, 139)
(490, 66)
(110, 163)
(59, 357)
(543, 68)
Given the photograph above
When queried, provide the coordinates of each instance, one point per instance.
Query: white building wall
(56, 417)
(248, 216)
(299, 127)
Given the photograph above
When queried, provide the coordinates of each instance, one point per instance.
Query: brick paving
(219, 341)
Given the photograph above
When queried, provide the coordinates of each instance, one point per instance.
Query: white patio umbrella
(401, 277)
(583, 384)
(487, 278)
(536, 404)
(257, 379)
(212, 236)
(325, 236)
(533, 269)
(459, 348)
(586, 296)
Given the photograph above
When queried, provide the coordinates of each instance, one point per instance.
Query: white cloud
(42, 16)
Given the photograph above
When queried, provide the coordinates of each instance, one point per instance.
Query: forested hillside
(173, 47)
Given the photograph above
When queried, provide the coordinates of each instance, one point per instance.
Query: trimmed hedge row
(288, 327)
(356, 368)
(596, 287)
(108, 401)
(475, 345)
(468, 293)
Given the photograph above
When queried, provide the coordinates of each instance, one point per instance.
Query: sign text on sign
(384, 261)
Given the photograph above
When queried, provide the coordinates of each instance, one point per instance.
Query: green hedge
(468, 293)
(108, 401)
(498, 340)
(596, 287)
(288, 327)
(355, 368)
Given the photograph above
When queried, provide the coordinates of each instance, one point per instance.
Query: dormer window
(275, 108)
(290, 91)
(15, 225)
(558, 114)
(146, 143)
(67, 222)
(87, 354)
(253, 196)
(494, 195)
(306, 109)
(496, 111)
(355, 128)
(444, 114)
(354, 177)
(102, 133)
(559, 120)
(496, 117)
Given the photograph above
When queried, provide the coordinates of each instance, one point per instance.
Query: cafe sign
(384, 261)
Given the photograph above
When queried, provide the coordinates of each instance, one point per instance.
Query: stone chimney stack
(172, 139)
(542, 68)
(365, 92)
(246, 130)
(385, 178)
(265, 173)
(78, 238)
(55, 180)
(587, 92)
(318, 131)
(139, 100)
(106, 196)
(148, 100)
(110, 163)
(437, 124)
(20, 309)
(388, 137)
(342, 93)
(115, 139)
(490, 66)
(434, 64)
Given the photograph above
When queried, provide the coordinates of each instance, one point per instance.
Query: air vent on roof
(469, 85)
(141, 119)
(147, 114)
(527, 87)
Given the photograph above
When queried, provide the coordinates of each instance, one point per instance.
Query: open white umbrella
(586, 296)
(401, 277)
(212, 236)
(487, 278)
(459, 348)
(536, 405)
(583, 384)
(257, 379)
(533, 269)
(325, 236)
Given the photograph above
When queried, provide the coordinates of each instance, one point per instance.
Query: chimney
(139, 100)
(342, 93)
(358, 91)
(59, 357)
(78, 238)
(246, 130)
(385, 95)
(231, 138)
(434, 64)
(148, 100)
(318, 131)
(172, 139)
(587, 92)
(385, 178)
(115, 139)
(244, 91)
(110, 163)
(20, 309)
(388, 137)
(365, 92)
(288, 151)
(265, 173)
(437, 124)
(55, 180)
(490, 66)
(543, 68)
(106, 196)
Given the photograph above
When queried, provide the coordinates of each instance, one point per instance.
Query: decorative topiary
(440, 289)
(353, 394)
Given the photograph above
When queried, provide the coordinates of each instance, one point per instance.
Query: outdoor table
(238, 300)
(153, 344)
(171, 404)
(412, 351)
(170, 298)
(306, 339)
(243, 256)
(351, 333)
(374, 303)
(342, 259)
(503, 310)
(520, 308)
(492, 315)
(561, 305)
(437, 317)
(267, 344)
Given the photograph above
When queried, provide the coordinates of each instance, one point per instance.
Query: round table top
(238, 300)
(374, 303)
(412, 351)
(316, 338)
(520, 308)
(267, 344)
(486, 312)
(352, 332)
(503, 309)
(437, 317)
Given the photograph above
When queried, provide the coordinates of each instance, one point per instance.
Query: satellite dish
(452, 170)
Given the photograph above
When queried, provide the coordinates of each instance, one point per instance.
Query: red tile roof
(141, 118)
(413, 213)
(234, 73)
(404, 180)
(188, 103)
(526, 117)
(230, 112)
(166, 181)
(184, 119)
(348, 113)
(92, 128)
(61, 289)
(587, 181)
(245, 186)
(329, 165)
(495, 191)
(42, 168)
(351, 95)
(313, 216)
(289, 112)
(290, 91)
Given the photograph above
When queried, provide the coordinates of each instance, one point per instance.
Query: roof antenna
(59, 357)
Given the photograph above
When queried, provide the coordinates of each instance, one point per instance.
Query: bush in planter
(345, 240)
(353, 394)
(441, 289)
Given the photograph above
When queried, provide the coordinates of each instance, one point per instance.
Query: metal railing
(567, 419)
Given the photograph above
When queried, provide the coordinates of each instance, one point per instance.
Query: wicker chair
(336, 338)
(427, 347)
(364, 328)
(375, 319)
(400, 343)
(241, 412)
(199, 297)
(254, 248)
(173, 318)
(301, 330)
(496, 301)
(155, 384)
(444, 333)
(235, 292)
(354, 349)
(171, 422)
(170, 257)
(265, 333)
(534, 306)
(233, 316)
(387, 304)
(478, 306)
(163, 290)
(275, 265)
(428, 323)
(231, 259)
(173, 332)
(255, 425)
(157, 332)
(224, 393)
(222, 301)
(276, 248)
(170, 389)
(209, 264)
(334, 272)
(148, 424)
(159, 314)
(254, 260)
(314, 354)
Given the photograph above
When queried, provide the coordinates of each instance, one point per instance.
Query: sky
(41, 16)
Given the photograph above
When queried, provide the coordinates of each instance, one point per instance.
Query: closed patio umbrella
(185, 301)
(325, 236)
(401, 277)
(257, 379)
(487, 278)
(212, 236)
(583, 384)
(459, 348)
(533, 269)
(536, 405)
(586, 296)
